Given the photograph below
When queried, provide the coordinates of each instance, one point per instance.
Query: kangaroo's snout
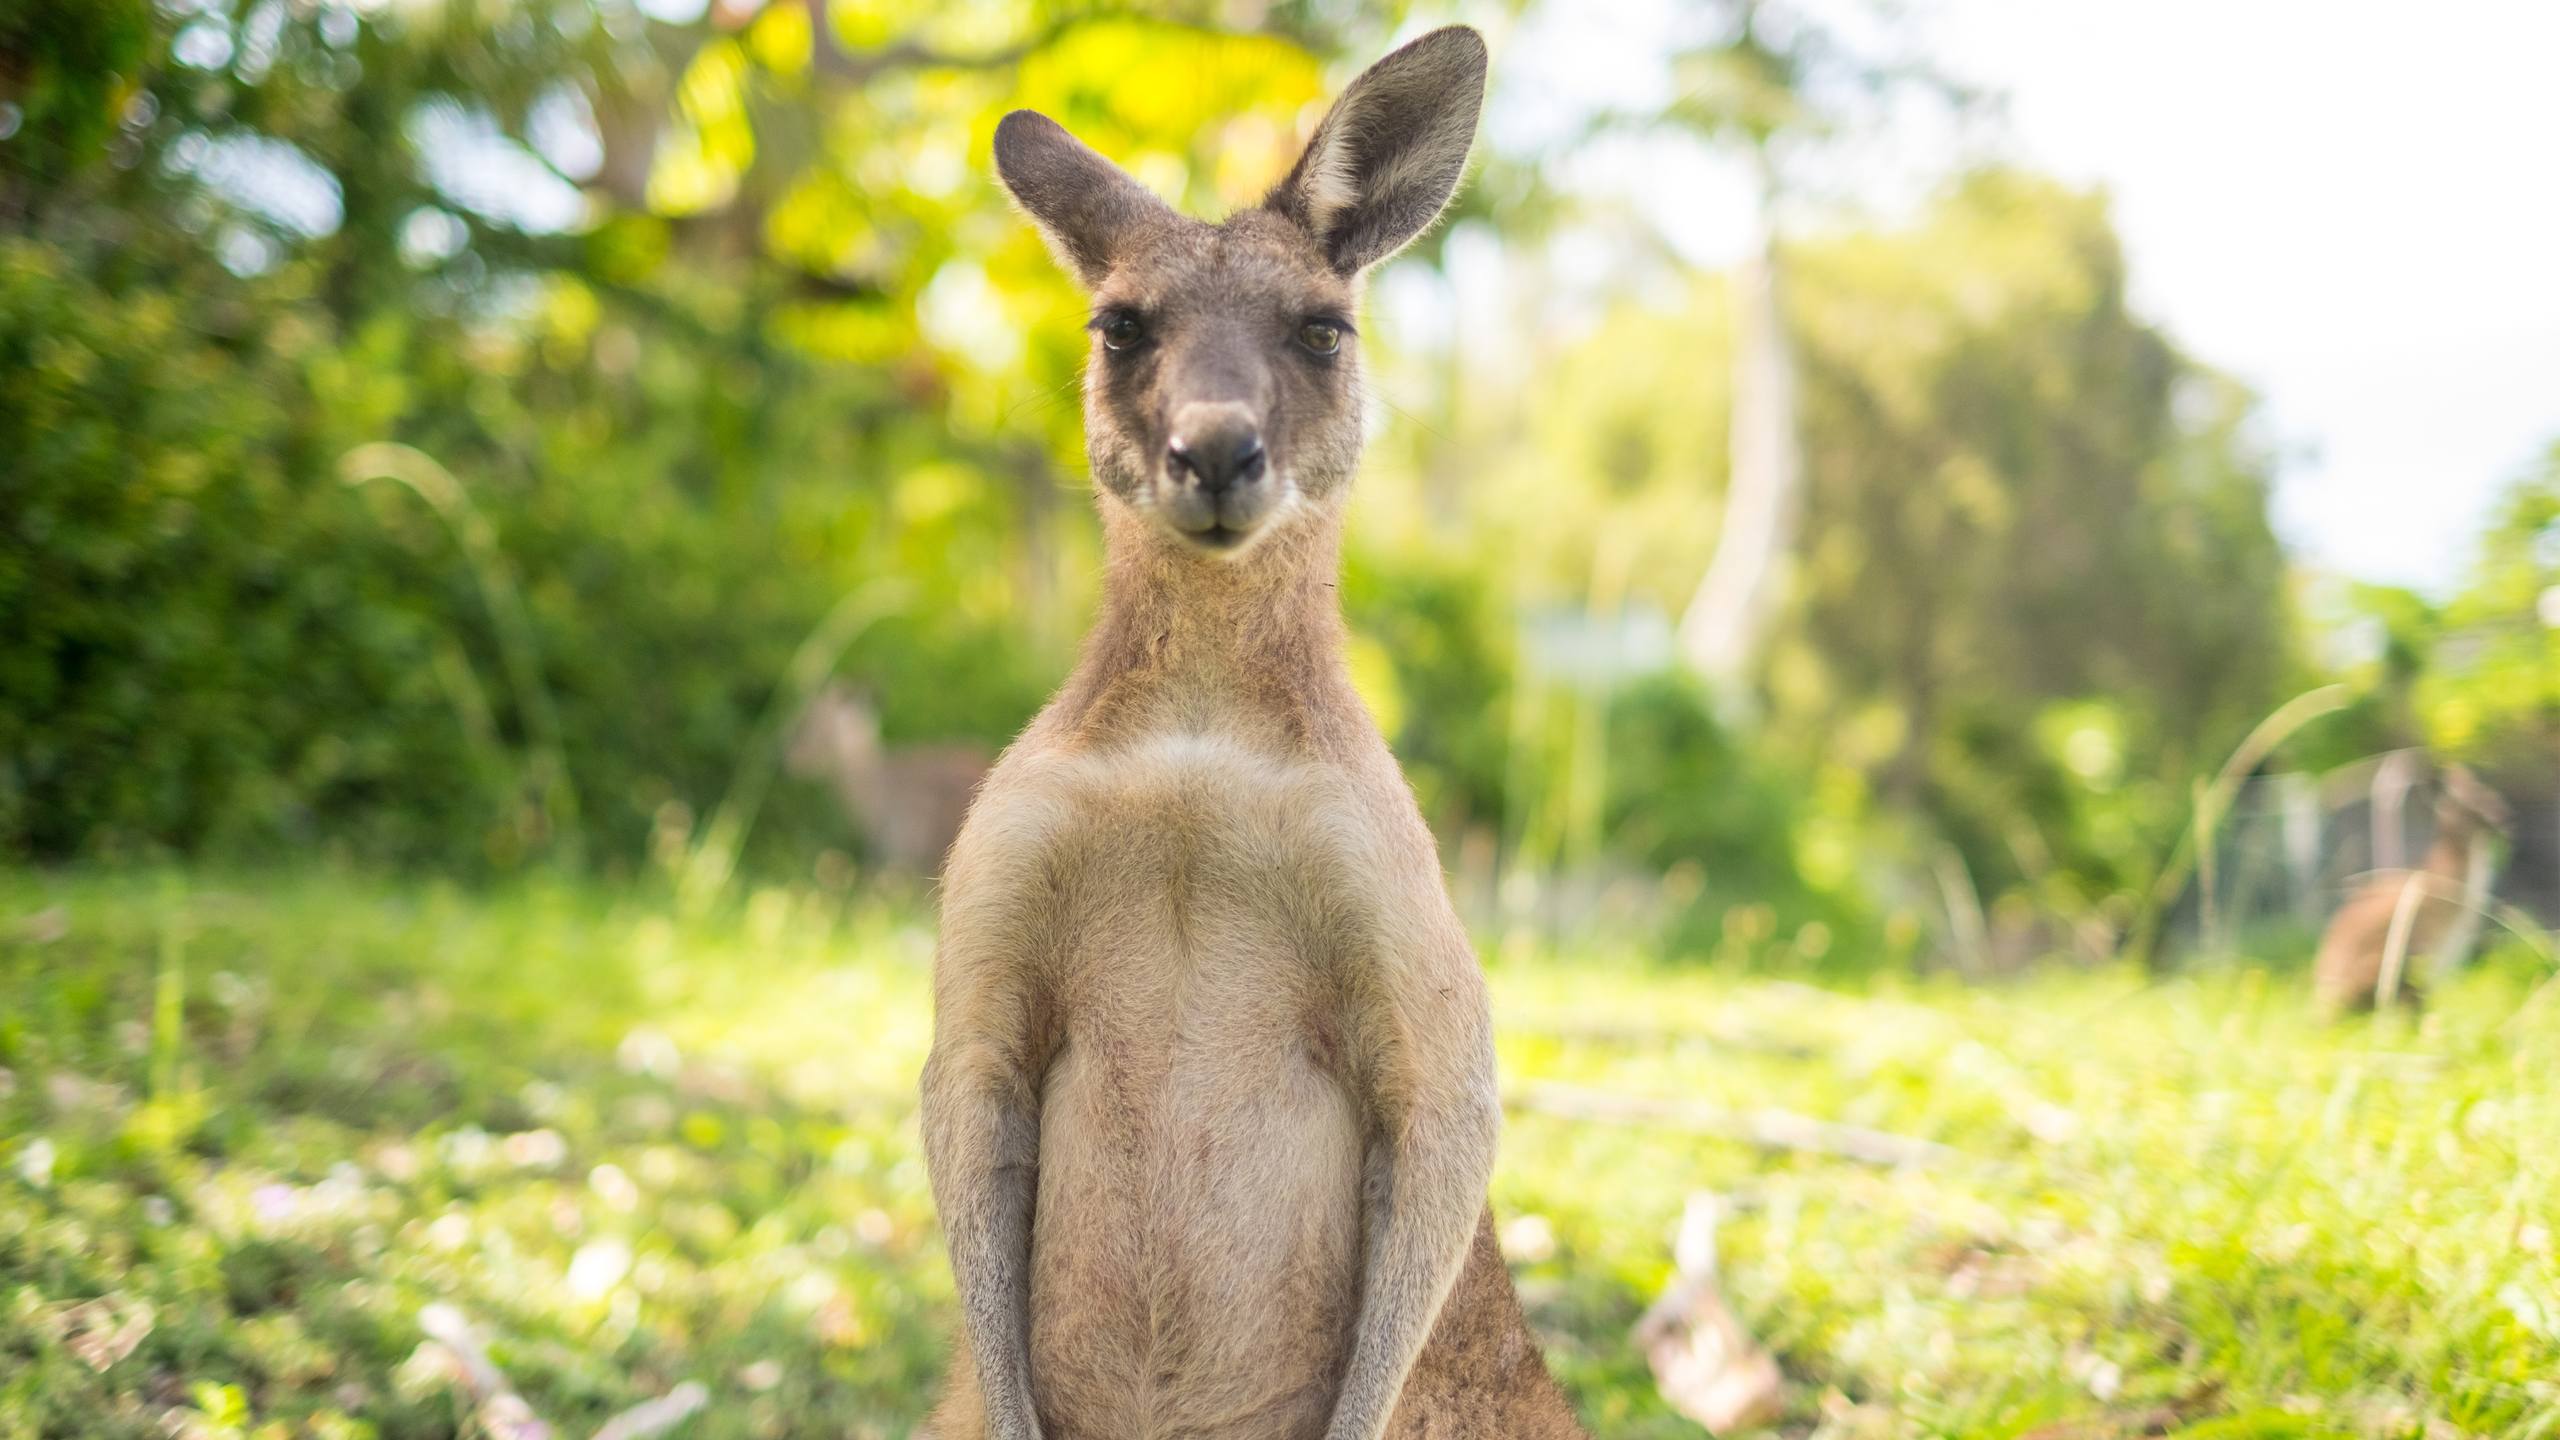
(1219, 455)
(1217, 484)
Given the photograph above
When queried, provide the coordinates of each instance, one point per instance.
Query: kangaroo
(2348, 971)
(1210, 1108)
(907, 802)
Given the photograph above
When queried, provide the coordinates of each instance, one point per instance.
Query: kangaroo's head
(1222, 395)
(2468, 806)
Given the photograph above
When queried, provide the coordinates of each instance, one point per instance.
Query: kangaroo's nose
(1220, 450)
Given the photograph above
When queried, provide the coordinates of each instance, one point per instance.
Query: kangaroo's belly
(1194, 1257)
(1196, 1237)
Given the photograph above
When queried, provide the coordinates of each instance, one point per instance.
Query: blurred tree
(2024, 497)
(2489, 689)
(2038, 589)
(1776, 82)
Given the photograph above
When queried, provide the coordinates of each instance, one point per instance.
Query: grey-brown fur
(907, 801)
(1211, 1107)
(2346, 973)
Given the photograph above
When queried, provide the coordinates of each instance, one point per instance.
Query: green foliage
(71, 76)
(2384, 636)
(229, 649)
(2037, 592)
(1740, 840)
(2022, 496)
(1428, 632)
(213, 640)
(633, 1149)
(745, 330)
(2492, 692)
(2474, 676)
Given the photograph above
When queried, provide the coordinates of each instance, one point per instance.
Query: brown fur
(1211, 1105)
(2348, 970)
(907, 801)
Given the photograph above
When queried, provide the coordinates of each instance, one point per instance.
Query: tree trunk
(1728, 620)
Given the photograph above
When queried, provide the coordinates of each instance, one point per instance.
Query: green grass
(251, 1128)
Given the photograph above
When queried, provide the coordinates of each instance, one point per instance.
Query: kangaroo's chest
(1197, 1217)
(1200, 882)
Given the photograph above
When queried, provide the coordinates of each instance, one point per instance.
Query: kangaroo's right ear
(1086, 206)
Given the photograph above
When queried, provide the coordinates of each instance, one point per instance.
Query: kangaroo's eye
(1321, 336)
(1121, 331)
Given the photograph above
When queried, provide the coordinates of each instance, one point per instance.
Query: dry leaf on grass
(104, 1331)
(1704, 1362)
(454, 1348)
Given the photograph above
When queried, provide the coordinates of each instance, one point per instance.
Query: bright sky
(2353, 206)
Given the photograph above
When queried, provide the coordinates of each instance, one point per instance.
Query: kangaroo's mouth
(1219, 536)
(1219, 539)
(1223, 524)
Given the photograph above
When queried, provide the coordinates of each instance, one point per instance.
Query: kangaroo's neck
(1196, 642)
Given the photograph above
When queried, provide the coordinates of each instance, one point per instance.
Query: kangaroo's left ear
(1388, 154)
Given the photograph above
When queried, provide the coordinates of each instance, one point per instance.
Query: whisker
(1378, 393)
(1043, 402)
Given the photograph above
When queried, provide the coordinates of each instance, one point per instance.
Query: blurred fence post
(2302, 827)
(2213, 800)
(2392, 781)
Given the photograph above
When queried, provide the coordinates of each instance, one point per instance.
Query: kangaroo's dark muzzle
(1217, 484)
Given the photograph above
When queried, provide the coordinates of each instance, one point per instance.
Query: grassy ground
(251, 1132)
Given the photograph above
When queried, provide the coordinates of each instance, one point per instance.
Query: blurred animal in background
(906, 801)
(2431, 911)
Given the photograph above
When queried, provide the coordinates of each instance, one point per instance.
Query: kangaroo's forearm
(1426, 1190)
(981, 1142)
